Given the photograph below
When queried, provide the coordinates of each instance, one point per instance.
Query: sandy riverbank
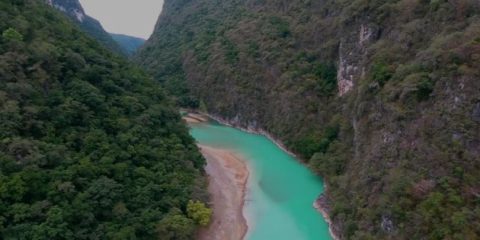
(195, 118)
(228, 176)
(320, 204)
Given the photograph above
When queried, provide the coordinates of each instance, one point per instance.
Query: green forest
(398, 149)
(90, 146)
(380, 98)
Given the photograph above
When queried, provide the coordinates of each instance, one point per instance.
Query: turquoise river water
(280, 190)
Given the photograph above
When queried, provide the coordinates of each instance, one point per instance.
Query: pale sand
(195, 118)
(228, 176)
(191, 120)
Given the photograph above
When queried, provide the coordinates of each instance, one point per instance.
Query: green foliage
(381, 73)
(128, 43)
(12, 35)
(175, 226)
(203, 107)
(92, 27)
(314, 143)
(253, 49)
(331, 162)
(327, 75)
(231, 52)
(424, 89)
(443, 221)
(409, 120)
(281, 26)
(197, 211)
(90, 146)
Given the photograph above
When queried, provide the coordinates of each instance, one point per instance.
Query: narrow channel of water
(280, 190)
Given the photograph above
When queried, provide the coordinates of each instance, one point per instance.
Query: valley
(241, 119)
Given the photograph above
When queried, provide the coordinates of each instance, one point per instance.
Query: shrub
(281, 26)
(381, 73)
(11, 35)
(327, 75)
(424, 89)
(197, 211)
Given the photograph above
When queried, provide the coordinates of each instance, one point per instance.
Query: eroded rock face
(476, 112)
(71, 7)
(345, 75)
(352, 52)
(387, 224)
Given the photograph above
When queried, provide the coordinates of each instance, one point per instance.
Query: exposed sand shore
(228, 176)
(195, 118)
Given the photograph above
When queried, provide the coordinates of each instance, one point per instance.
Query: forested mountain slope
(382, 98)
(74, 10)
(129, 43)
(90, 146)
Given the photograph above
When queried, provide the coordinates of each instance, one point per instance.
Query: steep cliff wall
(381, 98)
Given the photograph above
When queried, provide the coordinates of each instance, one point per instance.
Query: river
(280, 190)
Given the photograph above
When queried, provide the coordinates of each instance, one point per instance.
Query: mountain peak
(73, 8)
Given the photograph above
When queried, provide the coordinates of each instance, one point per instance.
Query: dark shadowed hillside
(129, 43)
(90, 146)
(382, 98)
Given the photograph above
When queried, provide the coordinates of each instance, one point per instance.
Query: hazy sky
(132, 17)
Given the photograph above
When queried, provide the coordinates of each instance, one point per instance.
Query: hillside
(90, 146)
(74, 10)
(129, 43)
(381, 98)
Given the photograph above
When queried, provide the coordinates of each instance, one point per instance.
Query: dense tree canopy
(90, 147)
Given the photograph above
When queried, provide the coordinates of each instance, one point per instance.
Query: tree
(90, 147)
(175, 226)
(197, 211)
(11, 35)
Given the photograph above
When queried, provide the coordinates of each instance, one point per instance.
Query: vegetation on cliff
(90, 146)
(379, 97)
(74, 10)
(128, 43)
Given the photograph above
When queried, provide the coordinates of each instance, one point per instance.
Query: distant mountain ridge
(129, 43)
(75, 11)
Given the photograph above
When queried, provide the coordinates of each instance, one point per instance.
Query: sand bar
(228, 175)
(195, 118)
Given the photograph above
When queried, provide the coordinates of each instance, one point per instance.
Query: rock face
(352, 54)
(376, 96)
(476, 112)
(74, 10)
(71, 7)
